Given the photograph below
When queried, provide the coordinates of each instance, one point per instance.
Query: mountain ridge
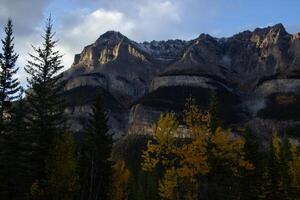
(251, 66)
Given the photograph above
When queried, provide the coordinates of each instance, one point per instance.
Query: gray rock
(251, 65)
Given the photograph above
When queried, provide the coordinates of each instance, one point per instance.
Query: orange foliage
(285, 99)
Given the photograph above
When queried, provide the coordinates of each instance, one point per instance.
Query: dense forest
(193, 156)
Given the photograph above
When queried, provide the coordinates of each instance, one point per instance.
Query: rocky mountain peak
(164, 51)
(271, 34)
(204, 36)
(112, 36)
(103, 50)
(275, 28)
(251, 68)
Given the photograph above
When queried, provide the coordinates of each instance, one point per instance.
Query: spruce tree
(9, 89)
(45, 109)
(18, 113)
(96, 175)
(22, 166)
(9, 85)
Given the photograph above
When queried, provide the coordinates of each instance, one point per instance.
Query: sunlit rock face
(253, 72)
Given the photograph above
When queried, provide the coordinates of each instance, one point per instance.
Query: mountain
(255, 73)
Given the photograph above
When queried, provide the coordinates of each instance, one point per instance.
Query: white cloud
(81, 22)
(88, 27)
(159, 10)
(82, 27)
(23, 46)
(26, 14)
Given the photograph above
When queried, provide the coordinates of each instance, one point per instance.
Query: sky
(78, 23)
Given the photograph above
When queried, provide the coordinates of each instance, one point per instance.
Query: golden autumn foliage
(229, 149)
(193, 154)
(161, 153)
(168, 185)
(276, 144)
(285, 99)
(160, 148)
(121, 177)
(36, 192)
(295, 167)
(184, 163)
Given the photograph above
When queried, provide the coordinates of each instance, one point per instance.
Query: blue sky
(217, 17)
(80, 22)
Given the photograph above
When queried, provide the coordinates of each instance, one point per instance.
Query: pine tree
(96, 177)
(9, 85)
(45, 109)
(214, 112)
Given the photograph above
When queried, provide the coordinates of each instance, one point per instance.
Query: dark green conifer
(251, 179)
(62, 169)
(9, 84)
(96, 161)
(214, 112)
(285, 157)
(45, 109)
(9, 91)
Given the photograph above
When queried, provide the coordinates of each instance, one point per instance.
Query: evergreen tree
(214, 112)
(16, 161)
(250, 179)
(285, 157)
(96, 177)
(272, 178)
(62, 169)
(9, 88)
(277, 178)
(18, 114)
(9, 85)
(21, 167)
(45, 109)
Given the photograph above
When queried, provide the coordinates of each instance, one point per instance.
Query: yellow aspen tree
(161, 155)
(162, 145)
(168, 185)
(295, 167)
(226, 160)
(121, 177)
(276, 144)
(193, 153)
(229, 149)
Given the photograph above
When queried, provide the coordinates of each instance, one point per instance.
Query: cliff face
(256, 75)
